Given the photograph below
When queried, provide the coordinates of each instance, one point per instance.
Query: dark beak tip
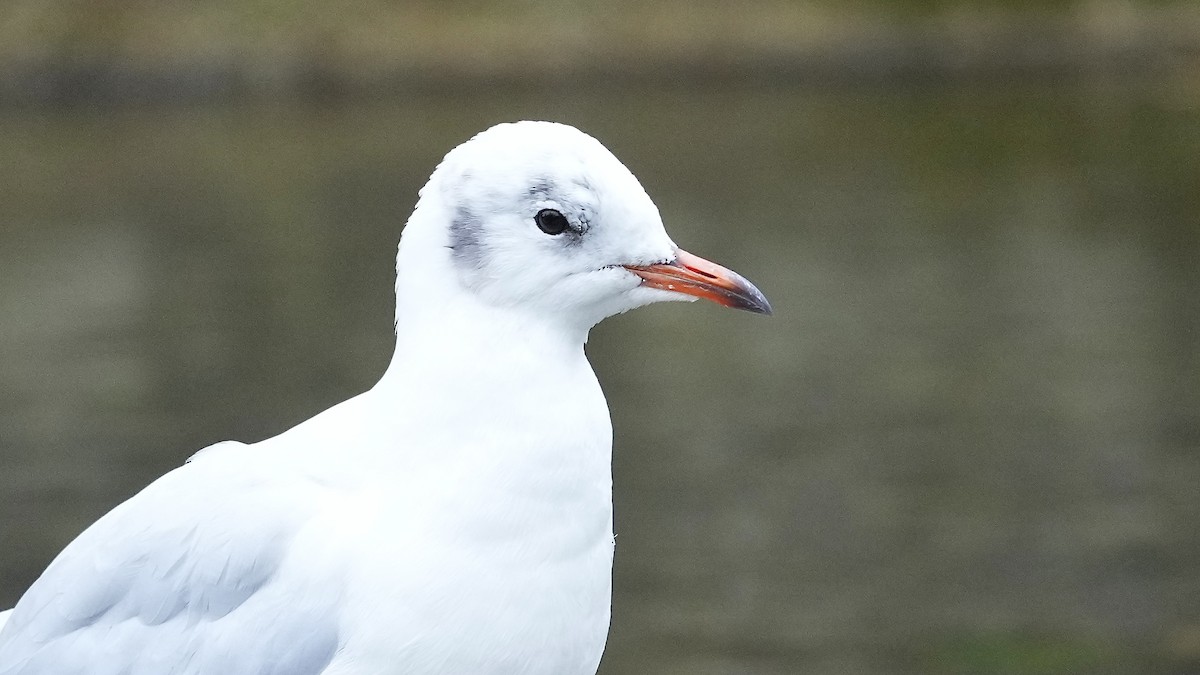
(751, 299)
(758, 305)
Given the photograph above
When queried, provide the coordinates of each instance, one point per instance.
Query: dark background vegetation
(968, 442)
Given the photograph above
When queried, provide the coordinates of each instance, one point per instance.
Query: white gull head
(540, 219)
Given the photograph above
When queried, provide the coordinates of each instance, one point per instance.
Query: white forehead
(516, 157)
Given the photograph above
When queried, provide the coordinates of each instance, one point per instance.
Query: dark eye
(551, 221)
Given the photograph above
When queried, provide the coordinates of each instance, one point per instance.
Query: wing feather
(186, 577)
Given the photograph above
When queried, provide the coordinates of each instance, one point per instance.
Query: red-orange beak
(696, 276)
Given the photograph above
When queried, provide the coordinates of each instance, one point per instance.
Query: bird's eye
(551, 221)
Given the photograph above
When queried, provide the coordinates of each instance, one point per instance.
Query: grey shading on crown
(541, 190)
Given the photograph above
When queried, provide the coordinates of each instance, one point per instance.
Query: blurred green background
(968, 442)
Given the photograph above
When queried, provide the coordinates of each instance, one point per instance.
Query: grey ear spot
(466, 232)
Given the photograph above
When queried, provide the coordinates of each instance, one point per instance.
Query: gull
(454, 519)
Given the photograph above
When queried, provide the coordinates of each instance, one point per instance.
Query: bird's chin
(645, 295)
(622, 292)
(639, 295)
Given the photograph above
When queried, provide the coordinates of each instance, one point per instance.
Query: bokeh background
(968, 442)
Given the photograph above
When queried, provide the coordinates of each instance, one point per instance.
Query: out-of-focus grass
(444, 32)
(1013, 653)
(549, 37)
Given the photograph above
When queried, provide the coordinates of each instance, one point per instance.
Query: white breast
(493, 554)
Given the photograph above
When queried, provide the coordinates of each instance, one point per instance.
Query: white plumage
(457, 517)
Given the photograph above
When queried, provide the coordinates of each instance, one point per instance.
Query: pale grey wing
(3, 618)
(194, 575)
